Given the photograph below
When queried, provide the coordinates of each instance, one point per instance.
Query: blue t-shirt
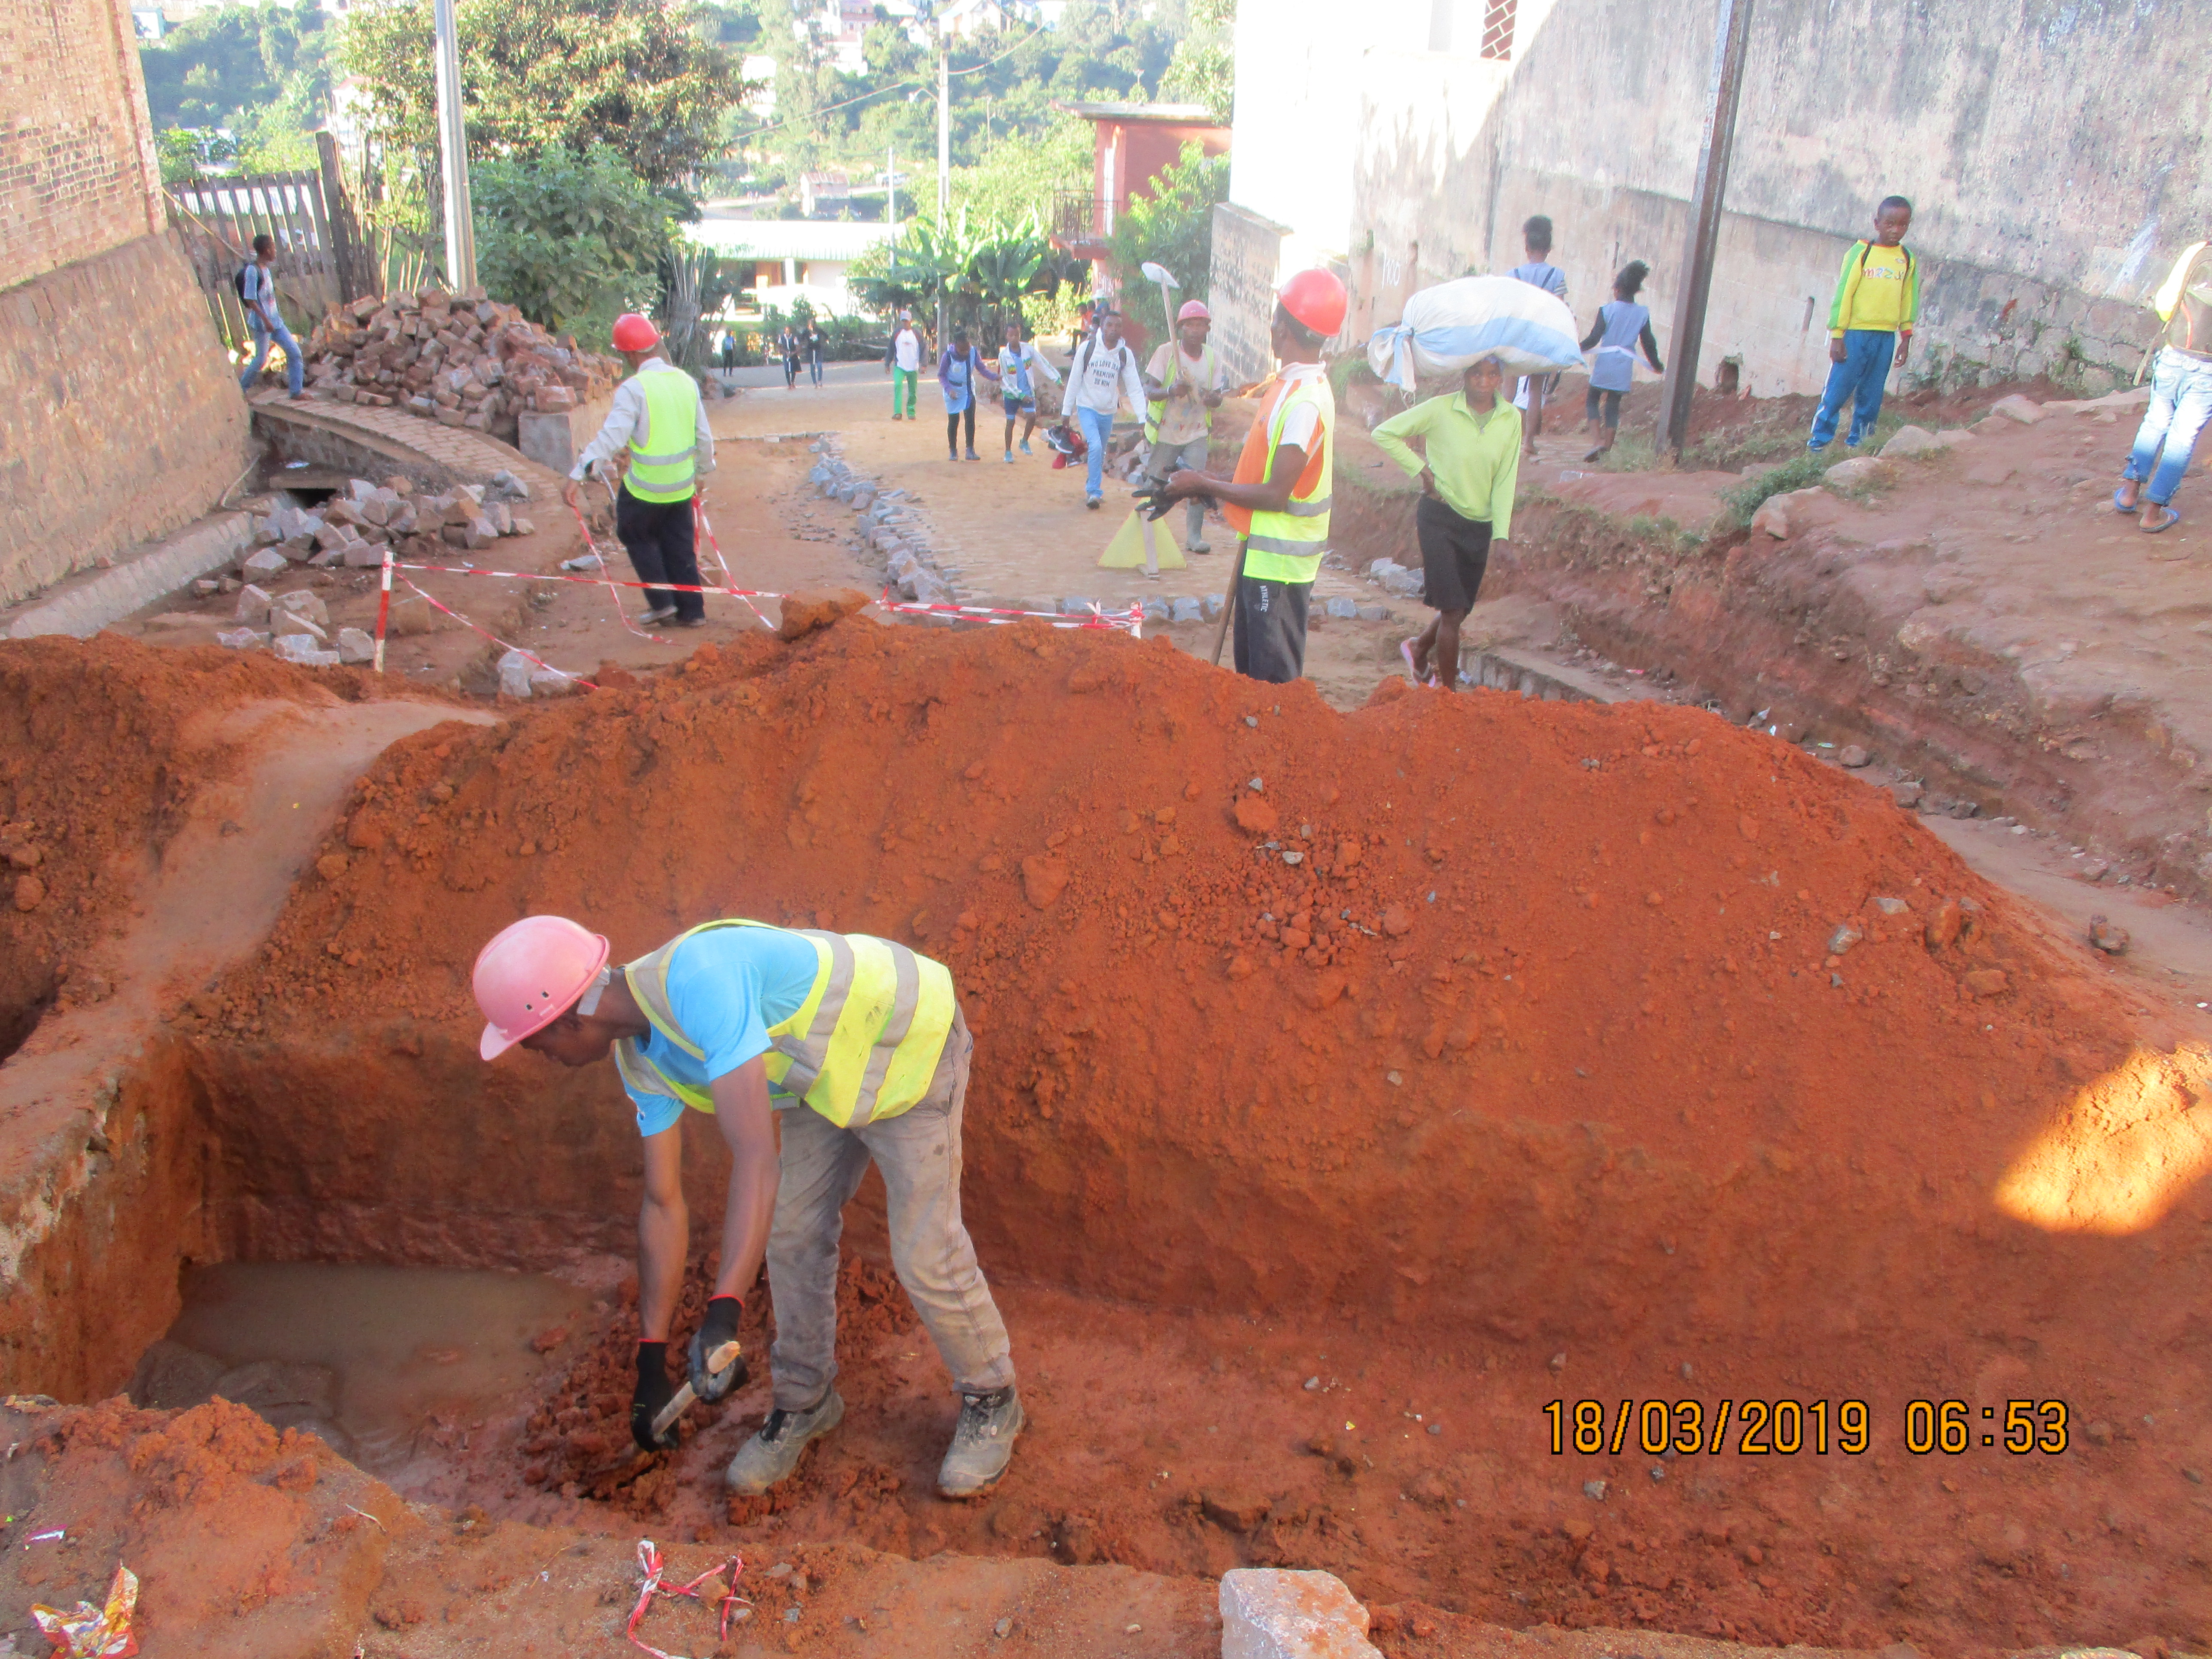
(726, 988)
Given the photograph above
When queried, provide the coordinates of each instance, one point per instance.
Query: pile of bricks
(462, 359)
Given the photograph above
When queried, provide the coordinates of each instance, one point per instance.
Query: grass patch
(1807, 468)
(1631, 452)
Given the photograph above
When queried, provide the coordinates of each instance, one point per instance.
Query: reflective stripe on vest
(860, 1048)
(664, 455)
(1206, 376)
(1287, 546)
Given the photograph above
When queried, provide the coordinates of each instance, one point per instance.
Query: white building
(794, 258)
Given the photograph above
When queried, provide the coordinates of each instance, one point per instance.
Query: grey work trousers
(1164, 462)
(919, 1153)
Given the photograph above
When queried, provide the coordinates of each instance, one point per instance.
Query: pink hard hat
(531, 973)
(1194, 308)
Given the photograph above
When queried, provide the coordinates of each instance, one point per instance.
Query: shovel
(664, 1419)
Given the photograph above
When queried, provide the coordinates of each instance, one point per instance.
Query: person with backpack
(1184, 385)
(256, 282)
(1104, 374)
(1539, 271)
(957, 365)
(1869, 324)
(1622, 325)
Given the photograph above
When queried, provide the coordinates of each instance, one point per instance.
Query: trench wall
(119, 418)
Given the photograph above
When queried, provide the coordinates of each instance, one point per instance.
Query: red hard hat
(1194, 308)
(534, 971)
(1317, 300)
(634, 333)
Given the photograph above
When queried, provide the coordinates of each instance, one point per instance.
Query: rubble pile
(462, 359)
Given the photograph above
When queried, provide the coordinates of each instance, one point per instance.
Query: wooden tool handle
(1229, 601)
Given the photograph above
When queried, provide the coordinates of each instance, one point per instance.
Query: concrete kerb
(92, 599)
(891, 535)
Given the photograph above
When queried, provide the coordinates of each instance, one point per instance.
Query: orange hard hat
(1194, 308)
(634, 333)
(1317, 300)
(531, 973)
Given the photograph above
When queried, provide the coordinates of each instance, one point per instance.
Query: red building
(1136, 142)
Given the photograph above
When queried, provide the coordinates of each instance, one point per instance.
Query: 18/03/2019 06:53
(1785, 1428)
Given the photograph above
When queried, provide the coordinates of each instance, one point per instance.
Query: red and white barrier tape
(496, 640)
(607, 570)
(649, 1563)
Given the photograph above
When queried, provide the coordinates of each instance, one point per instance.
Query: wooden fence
(320, 259)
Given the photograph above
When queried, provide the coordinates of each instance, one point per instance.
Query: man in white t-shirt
(902, 362)
(1104, 374)
(1186, 381)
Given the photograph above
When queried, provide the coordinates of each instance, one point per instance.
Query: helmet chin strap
(588, 1004)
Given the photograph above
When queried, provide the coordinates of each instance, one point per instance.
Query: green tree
(1173, 228)
(208, 69)
(639, 76)
(1204, 68)
(573, 241)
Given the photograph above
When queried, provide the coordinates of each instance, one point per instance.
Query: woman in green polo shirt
(1468, 464)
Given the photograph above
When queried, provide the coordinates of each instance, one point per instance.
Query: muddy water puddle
(392, 1366)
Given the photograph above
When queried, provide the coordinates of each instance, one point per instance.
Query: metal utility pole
(891, 183)
(1731, 42)
(454, 156)
(944, 154)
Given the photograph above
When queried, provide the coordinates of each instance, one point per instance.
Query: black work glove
(719, 1329)
(653, 1392)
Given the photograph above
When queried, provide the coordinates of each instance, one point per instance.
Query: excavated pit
(1297, 1237)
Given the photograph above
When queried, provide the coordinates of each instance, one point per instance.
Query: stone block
(258, 567)
(364, 555)
(1268, 1612)
(411, 616)
(305, 602)
(1156, 608)
(1184, 609)
(252, 604)
(302, 649)
(1075, 607)
(522, 527)
(1772, 518)
(1374, 613)
(355, 646)
(1342, 609)
(551, 682)
(1213, 606)
(1861, 472)
(2024, 409)
(1912, 441)
(241, 639)
(514, 672)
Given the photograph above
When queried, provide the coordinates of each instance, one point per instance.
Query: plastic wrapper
(1447, 327)
(733, 1607)
(92, 1633)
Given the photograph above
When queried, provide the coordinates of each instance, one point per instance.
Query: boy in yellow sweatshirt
(1869, 324)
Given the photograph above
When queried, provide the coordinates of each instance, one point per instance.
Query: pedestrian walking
(1538, 271)
(1184, 384)
(729, 352)
(1621, 325)
(1101, 378)
(1278, 497)
(902, 362)
(658, 416)
(815, 1054)
(816, 343)
(786, 343)
(1019, 364)
(1468, 464)
(957, 365)
(256, 293)
(1869, 324)
(2180, 393)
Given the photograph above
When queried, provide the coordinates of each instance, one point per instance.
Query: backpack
(238, 282)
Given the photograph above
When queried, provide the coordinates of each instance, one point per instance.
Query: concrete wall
(1247, 250)
(119, 420)
(2055, 168)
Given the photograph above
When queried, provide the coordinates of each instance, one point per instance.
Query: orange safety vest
(1258, 453)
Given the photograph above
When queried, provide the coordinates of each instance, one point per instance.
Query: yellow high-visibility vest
(1287, 546)
(1207, 373)
(861, 1048)
(664, 452)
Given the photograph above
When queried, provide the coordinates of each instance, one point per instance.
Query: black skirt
(1454, 553)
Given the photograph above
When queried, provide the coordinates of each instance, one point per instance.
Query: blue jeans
(2180, 399)
(295, 370)
(1098, 426)
(1867, 353)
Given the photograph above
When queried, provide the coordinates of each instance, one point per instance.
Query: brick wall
(120, 419)
(78, 173)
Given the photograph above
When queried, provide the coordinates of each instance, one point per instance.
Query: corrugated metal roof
(788, 238)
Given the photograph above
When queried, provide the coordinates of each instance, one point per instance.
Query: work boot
(982, 1443)
(768, 1459)
(656, 613)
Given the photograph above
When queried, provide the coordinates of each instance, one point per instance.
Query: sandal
(1405, 650)
(2172, 519)
(2119, 506)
